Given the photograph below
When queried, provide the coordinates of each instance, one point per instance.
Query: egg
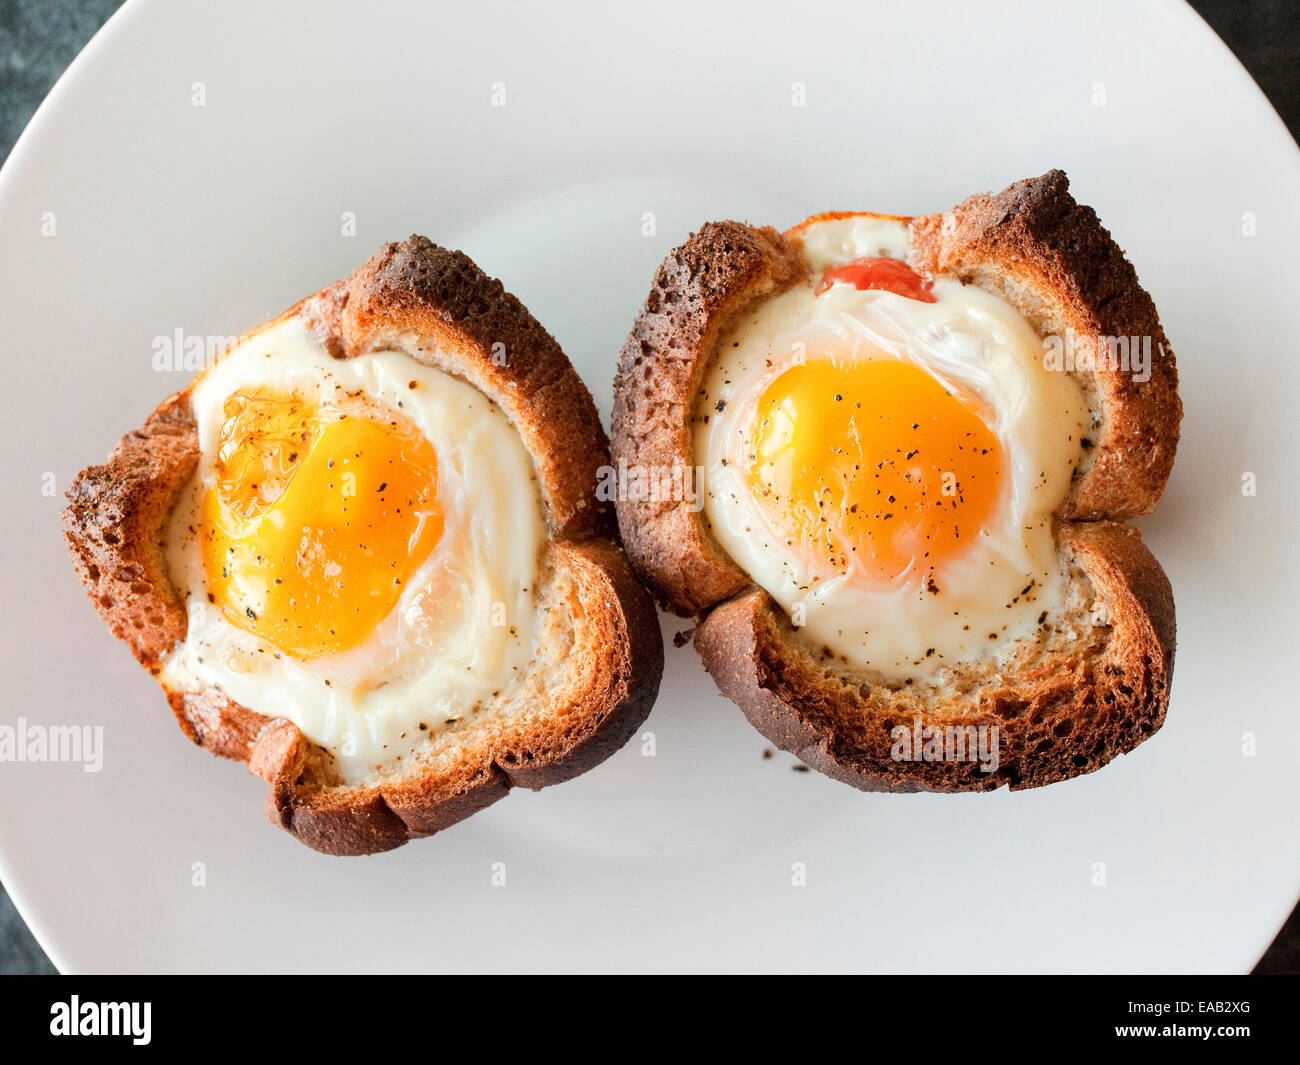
(884, 454)
(358, 548)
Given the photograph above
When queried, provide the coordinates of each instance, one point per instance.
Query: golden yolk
(317, 519)
(873, 462)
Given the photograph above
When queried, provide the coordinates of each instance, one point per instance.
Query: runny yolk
(891, 275)
(317, 519)
(873, 465)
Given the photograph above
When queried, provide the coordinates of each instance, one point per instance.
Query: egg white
(997, 590)
(424, 668)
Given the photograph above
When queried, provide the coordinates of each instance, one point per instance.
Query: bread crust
(438, 305)
(1053, 723)
(115, 526)
(1050, 257)
(617, 694)
(487, 337)
(702, 286)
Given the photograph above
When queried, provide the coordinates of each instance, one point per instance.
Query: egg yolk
(873, 465)
(317, 519)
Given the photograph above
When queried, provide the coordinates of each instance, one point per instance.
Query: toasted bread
(599, 652)
(1066, 701)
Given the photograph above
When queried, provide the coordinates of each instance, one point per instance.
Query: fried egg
(358, 549)
(884, 455)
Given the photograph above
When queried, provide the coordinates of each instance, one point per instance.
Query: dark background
(39, 39)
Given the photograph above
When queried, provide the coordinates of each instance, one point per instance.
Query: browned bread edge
(492, 342)
(1069, 721)
(716, 275)
(1051, 257)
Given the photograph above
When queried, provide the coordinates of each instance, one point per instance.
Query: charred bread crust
(485, 335)
(1052, 723)
(702, 286)
(116, 518)
(1050, 257)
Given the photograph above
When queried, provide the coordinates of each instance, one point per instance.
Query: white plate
(206, 219)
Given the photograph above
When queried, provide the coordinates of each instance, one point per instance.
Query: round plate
(202, 166)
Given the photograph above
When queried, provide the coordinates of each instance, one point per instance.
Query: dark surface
(38, 40)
